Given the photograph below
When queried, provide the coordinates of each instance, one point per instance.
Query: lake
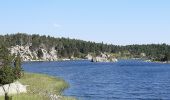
(123, 80)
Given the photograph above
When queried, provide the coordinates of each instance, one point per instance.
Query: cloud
(56, 25)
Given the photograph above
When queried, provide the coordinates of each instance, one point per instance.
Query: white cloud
(56, 25)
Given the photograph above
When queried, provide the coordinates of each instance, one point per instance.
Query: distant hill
(67, 48)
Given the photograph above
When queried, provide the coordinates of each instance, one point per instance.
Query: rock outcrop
(29, 55)
(104, 58)
(49, 56)
(89, 57)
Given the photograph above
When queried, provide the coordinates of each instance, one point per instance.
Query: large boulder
(89, 57)
(13, 88)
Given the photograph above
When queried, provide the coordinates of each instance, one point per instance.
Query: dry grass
(40, 86)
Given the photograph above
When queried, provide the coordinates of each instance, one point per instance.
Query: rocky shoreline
(42, 54)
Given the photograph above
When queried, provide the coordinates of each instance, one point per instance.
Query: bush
(6, 75)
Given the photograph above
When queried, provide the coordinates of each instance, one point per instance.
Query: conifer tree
(17, 67)
(6, 71)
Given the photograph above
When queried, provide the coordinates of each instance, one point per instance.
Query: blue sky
(119, 22)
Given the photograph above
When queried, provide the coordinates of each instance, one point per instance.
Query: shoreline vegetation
(42, 87)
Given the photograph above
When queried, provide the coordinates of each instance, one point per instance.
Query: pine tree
(7, 75)
(17, 67)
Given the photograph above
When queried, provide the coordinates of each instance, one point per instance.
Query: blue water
(124, 80)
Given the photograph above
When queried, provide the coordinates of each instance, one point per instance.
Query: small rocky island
(103, 57)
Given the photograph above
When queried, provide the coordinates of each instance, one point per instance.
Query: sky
(119, 22)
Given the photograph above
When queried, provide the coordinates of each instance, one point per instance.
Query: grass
(39, 85)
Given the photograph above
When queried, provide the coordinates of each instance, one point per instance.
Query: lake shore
(42, 87)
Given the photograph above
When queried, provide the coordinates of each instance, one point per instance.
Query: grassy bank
(40, 86)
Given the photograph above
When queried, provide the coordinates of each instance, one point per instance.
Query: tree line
(67, 47)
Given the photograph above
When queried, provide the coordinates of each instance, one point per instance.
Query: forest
(67, 47)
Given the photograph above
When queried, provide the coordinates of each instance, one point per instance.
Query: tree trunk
(6, 94)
